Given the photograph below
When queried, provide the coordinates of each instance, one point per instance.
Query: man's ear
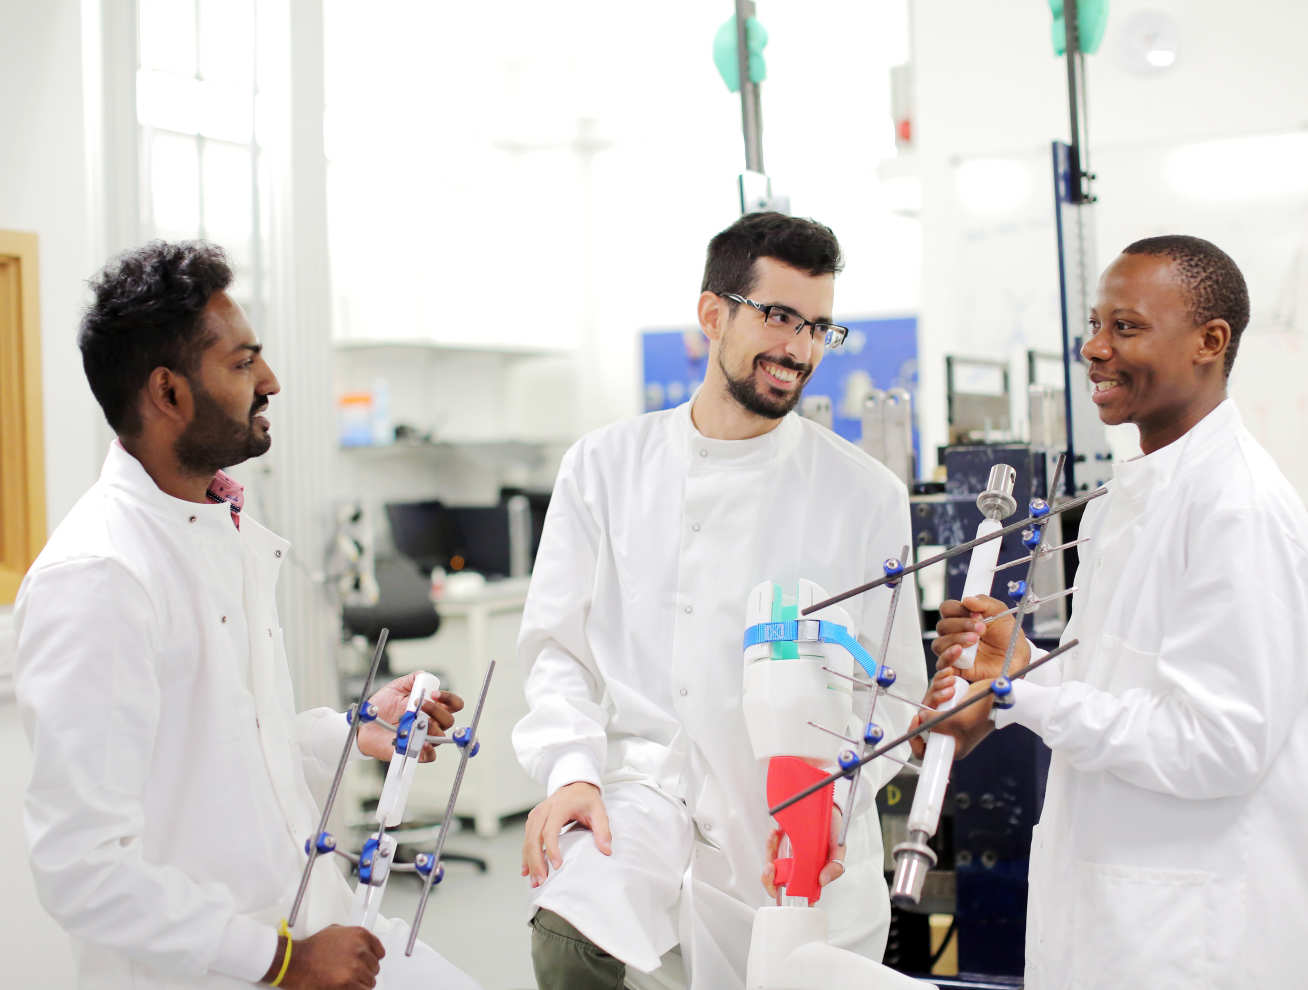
(1214, 339)
(713, 313)
(168, 396)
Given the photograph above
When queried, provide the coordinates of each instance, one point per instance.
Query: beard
(214, 440)
(759, 399)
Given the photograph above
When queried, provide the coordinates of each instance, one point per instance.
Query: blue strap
(828, 632)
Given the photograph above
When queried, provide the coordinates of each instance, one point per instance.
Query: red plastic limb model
(807, 824)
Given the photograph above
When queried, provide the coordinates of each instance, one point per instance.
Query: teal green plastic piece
(1091, 22)
(724, 52)
(781, 612)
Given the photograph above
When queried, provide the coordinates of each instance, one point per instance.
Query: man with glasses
(658, 529)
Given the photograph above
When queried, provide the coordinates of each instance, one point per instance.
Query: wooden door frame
(22, 453)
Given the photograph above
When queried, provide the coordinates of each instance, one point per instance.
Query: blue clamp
(894, 568)
(1002, 689)
(325, 843)
(872, 735)
(849, 761)
(1017, 590)
(886, 676)
(369, 714)
(423, 864)
(1039, 508)
(826, 632)
(367, 857)
(1031, 536)
(404, 730)
(461, 739)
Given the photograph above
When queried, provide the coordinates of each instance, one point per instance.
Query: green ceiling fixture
(724, 52)
(1091, 21)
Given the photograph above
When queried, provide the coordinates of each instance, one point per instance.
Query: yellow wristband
(286, 959)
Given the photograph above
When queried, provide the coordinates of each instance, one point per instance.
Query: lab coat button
(694, 527)
(684, 692)
(703, 453)
(192, 519)
(224, 618)
(708, 826)
(688, 609)
(277, 553)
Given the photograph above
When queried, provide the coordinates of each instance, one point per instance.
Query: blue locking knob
(872, 735)
(886, 676)
(367, 856)
(326, 843)
(1002, 689)
(893, 568)
(848, 761)
(1016, 590)
(461, 739)
(1031, 536)
(369, 714)
(404, 730)
(1039, 508)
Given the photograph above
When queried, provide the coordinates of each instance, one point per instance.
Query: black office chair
(404, 607)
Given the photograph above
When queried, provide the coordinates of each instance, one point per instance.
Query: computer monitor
(496, 540)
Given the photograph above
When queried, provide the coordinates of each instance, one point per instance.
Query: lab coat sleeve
(321, 734)
(89, 698)
(1229, 683)
(562, 737)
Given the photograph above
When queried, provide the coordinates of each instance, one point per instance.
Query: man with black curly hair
(173, 783)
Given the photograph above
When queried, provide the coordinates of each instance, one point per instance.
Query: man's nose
(1097, 347)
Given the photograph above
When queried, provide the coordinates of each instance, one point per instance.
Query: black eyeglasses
(780, 318)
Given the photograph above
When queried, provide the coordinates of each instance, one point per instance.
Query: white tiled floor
(476, 920)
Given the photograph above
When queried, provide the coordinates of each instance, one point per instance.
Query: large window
(197, 99)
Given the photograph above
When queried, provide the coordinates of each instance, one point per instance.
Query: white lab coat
(632, 640)
(170, 795)
(1170, 852)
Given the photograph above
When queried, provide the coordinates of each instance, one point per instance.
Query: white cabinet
(474, 630)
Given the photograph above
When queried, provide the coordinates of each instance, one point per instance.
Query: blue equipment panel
(878, 354)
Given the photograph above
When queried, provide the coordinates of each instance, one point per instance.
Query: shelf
(433, 346)
(510, 450)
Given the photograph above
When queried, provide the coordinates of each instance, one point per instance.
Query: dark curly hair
(147, 314)
(803, 244)
(1212, 282)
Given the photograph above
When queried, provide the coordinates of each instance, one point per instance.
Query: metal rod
(751, 111)
(922, 729)
(1045, 550)
(464, 756)
(1035, 604)
(872, 709)
(355, 722)
(831, 732)
(958, 551)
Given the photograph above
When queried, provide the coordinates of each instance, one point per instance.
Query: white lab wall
(43, 189)
(989, 87)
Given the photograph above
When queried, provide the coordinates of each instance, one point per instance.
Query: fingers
(769, 878)
(835, 868)
(375, 945)
(599, 827)
(533, 859)
(553, 826)
(451, 701)
(440, 716)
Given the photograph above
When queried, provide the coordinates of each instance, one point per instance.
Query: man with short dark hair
(658, 529)
(1169, 852)
(173, 784)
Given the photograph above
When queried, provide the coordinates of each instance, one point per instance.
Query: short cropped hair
(148, 313)
(804, 244)
(1212, 283)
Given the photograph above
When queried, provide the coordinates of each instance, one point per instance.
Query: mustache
(259, 406)
(785, 362)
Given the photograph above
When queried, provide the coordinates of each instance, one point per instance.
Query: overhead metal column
(751, 110)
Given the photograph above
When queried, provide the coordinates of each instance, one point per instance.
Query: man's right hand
(960, 626)
(336, 958)
(578, 802)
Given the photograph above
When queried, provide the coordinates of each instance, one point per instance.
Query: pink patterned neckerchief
(224, 489)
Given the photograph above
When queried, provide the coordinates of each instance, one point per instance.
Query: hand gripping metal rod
(465, 754)
(872, 708)
(925, 727)
(355, 722)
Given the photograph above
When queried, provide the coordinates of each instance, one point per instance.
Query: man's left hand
(834, 869)
(392, 701)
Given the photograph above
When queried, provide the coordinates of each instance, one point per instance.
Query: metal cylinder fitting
(997, 501)
(913, 859)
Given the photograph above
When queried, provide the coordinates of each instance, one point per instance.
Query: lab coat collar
(126, 474)
(755, 451)
(1141, 475)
